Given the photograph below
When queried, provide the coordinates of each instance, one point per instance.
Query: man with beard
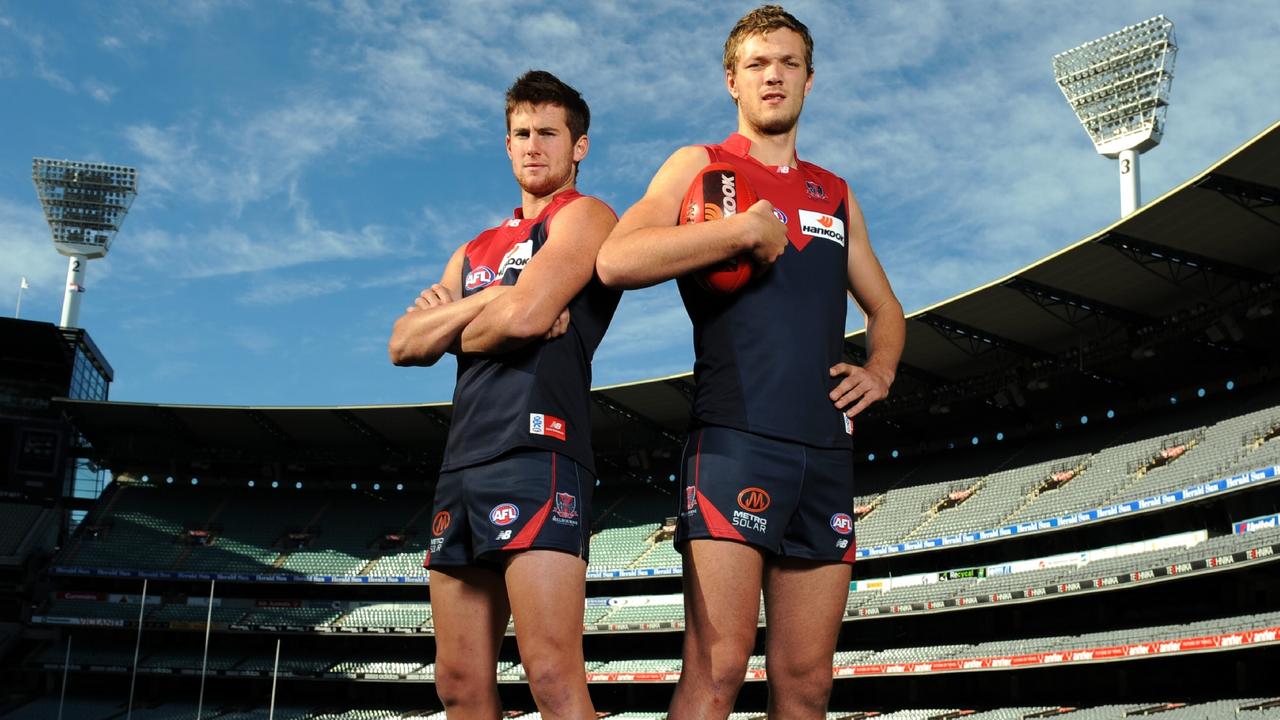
(768, 468)
(521, 308)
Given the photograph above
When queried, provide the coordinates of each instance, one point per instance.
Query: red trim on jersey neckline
(740, 145)
(560, 198)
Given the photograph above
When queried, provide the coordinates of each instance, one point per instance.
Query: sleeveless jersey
(537, 395)
(763, 354)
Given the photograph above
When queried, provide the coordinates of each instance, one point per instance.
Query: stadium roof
(1178, 292)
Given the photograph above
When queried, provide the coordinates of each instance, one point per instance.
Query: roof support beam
(273, 429)
(1178, 265)
(858, 354)
(627, 413)
(434, 416)
(974, 341)
(368, 431)
(1246, 194)
(1071, 308)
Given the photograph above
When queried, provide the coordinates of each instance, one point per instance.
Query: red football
(718, 191)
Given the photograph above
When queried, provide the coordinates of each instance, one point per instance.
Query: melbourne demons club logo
(814, 190)
(842, 523)
(754, 499)
(440, 522)
(504, 514)
(566, 506)
(480, 277)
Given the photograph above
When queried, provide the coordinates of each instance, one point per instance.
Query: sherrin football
(719, 191)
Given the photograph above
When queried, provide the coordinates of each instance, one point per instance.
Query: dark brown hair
(539, 87)
(761, 21)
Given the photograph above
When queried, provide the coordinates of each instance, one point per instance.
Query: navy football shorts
(526, 499)
(786, 498)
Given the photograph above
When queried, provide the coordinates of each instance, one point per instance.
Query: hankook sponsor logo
(821, 225)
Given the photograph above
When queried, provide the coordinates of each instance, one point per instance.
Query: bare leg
(721, 611)
(547, 592)
(469, 610)
(804, 603)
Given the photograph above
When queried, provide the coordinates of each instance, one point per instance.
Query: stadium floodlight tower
(85, 204)
(1118, 86)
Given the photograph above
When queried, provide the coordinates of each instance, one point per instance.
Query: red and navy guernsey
(763, 354)
(539, 395)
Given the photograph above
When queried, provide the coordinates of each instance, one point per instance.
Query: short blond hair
(761, 21)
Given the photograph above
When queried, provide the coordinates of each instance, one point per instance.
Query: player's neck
(532, 205)
(770, 149)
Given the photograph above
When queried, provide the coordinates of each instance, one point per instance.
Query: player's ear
(508, 144)
(731, 85)
(580, 148)
(808, 84)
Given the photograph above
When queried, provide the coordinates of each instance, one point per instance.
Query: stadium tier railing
(1172, 558)
(198, 533)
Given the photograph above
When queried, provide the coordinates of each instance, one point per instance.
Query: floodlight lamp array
(1119, 85)
(85, 203)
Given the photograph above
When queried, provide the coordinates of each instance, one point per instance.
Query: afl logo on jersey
(479, 277)
(754, 499)
(842, 523)
(504, 514)
(440, 522)
(782, 217)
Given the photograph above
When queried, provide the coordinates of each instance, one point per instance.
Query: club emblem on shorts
(547, 425)
(440, 522)
(754, 499)
(690, 497)
(504, 514)
(842, 523)
(814, 190)
(848, 424)
(566, 506)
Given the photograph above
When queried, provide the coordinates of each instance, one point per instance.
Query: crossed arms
(502, 318)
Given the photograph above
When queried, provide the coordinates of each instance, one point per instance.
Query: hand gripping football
(718, 191)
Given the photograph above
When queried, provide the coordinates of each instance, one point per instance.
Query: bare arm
(886, 327)
(556, 273)
(646, 247)
(432, 326)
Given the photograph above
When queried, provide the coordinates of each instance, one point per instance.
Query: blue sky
(306, 167)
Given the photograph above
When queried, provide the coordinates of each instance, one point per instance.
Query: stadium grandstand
(1069, 506)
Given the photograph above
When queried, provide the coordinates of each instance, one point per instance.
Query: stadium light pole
(137, 648)
(1118, 86)
(85, 204)
(66, 663)
(204, 662)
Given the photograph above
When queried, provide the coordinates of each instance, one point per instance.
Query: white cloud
(230, 250)
(27, 250)
(280, 291)
(98, 90)
(249, 163)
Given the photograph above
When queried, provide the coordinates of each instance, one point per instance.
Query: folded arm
(647, 247)
(433, 324)
(555, 274)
